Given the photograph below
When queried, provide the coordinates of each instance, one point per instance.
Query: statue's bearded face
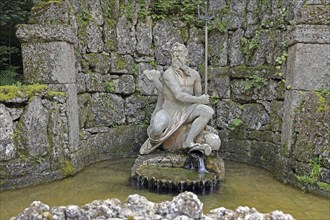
(179, 55)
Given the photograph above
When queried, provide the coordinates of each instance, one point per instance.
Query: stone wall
(111, 42)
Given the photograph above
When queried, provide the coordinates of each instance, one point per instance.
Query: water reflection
(244, 185)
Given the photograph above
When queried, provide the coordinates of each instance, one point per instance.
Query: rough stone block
(227, 111)
(7, 148)
(122, 64)
(292, 101)
(219, 86)
(138, 109)
(47, 63)
(165, 35)
(45, 33)
(306, 60)
(98, 83)
(108, 109)
(31, 131)
(144, 36)
(309, 34)
(314, 14)
(124, 84)
(99, 62)
(125, 36)
(255, 116)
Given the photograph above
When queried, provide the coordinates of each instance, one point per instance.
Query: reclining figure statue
(179, 121)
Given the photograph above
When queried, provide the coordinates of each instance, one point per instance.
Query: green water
(245, 185)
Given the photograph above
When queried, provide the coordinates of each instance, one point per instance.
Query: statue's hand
(204, 99)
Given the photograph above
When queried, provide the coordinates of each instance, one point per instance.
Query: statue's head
(179, 52)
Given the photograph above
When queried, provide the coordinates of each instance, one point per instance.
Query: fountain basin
(166, 173)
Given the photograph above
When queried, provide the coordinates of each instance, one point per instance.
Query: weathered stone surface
(85, 112)
(144, 37)
(237, 9)
(239, 150)
(255, 116)
(122, 64)
(98, 83)
(99, 62)
(218, 49)
(195, 47)
(124, 84)
(95, 11)
(108, 109)
(309, 34)
(7, 148)
(125, 36)
(219, 86)
(31, 131)
(49, 62)
(15, 113)
(165, 34)
(227, 111)
(51, 12)
(45, 33)
(276, 115)
(263, 154)
(291, 102)
(235, 55)
(138, 109)
(58, 133)
(305, 59)
(312, 127)
(314, 14)
(249, 90)
(94, 38)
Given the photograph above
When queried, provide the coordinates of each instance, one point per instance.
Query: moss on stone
(322, 104)
(11, 92)
(68, 169)
(120, 63)
(55, 93)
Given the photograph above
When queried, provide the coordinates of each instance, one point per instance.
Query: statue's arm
(197, 83)
(176, 90)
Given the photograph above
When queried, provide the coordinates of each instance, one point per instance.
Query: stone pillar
(48, 58)
(308, 68)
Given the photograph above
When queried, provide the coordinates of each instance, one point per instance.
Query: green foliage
(323, 185)
(7, 76)
(110, 87)
(249, 46)
(255, 81)
(68, 169)
(37, 159)
(235, 123)
(214, 99)
(313, 175)
(153, 64)
(12, 12)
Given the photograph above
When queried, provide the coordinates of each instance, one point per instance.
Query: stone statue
(179, 121)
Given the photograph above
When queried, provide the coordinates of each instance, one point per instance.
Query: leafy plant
(255, 81)
(235, 123)
(7, 76)
(110, 87)
(314, 173)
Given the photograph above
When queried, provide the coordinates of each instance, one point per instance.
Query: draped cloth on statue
(179, 115)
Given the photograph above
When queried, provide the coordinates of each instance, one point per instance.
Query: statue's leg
(159, 124)
(199, 118)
